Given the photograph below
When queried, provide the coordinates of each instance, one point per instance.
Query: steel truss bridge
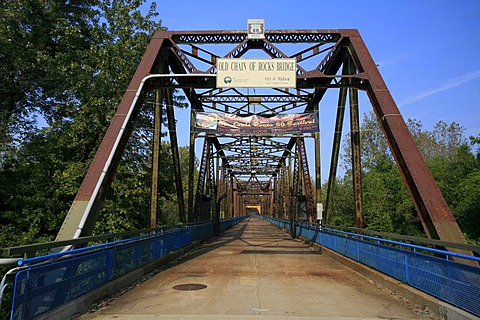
(267, 173)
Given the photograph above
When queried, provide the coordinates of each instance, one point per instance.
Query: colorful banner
(282, 124)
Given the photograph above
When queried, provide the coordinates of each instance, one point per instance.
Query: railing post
(358, 249)
(407, 269)
(110, 264)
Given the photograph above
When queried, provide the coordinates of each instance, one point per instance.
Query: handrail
(403, 244)
(73, 252)
(28, 249)
(433, 271)
(112, 260)
(434, 242)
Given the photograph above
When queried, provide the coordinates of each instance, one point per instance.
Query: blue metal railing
(52, 280)
(417, 266)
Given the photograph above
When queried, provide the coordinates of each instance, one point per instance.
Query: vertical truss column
(235, 205)
(295, 193)
(356, 156)
(318, 180)
(157, 137)
(281, 193)
(212, 188)
(231, 193)
(307, 182)
(337, 138)
(202, 174)
(274, 193)
(191, 171)
(286, 192)
(172, 131)
(222, 187)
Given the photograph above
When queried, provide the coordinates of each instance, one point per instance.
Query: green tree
(39, 42)
(66, 65)
(343, 211)
(387, 204)
(467, 206)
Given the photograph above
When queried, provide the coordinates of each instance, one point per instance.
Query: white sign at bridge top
(256, 29)
(256, 73)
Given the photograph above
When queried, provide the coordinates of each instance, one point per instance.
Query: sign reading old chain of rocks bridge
(256, 73)
(281, 124)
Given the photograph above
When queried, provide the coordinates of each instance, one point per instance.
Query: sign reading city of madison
(281, 124)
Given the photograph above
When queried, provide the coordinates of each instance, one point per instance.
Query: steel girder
(183, 52)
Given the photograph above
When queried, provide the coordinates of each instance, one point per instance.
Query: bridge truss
(269, 172)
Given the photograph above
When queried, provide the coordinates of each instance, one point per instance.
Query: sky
(426, 50)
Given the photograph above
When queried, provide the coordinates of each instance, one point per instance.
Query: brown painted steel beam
(191, 177)
(307, 182)
(237, 36)
(202, 178)
(157, 140)
(337, 138)
(84, 210)
(356, 158)
(318, 178)
(172, 130)
(433, 210)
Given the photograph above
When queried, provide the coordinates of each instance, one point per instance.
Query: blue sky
(427, 50)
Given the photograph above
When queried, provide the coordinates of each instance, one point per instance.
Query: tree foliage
(64, 67)
(387, 205)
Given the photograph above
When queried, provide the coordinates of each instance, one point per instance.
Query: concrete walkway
(256, 271)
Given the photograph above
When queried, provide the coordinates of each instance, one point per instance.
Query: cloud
(446, 85)
(394, 60)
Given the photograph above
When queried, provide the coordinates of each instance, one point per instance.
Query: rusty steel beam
(172, 131)
(318, 179)
(261, 98)
(356, 158)
(437, 219)
(84, 210)
(356, 149)
(275, 36)
(295, 192)
(307, 182)
(211, 185)
(157, 140)
(191, 170)
(337, 138)
(202, 178)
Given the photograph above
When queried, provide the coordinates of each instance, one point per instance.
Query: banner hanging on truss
(281, 124)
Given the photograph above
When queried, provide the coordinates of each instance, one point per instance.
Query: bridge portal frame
(344, 46)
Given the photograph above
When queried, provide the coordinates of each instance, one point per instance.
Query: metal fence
(52, 280)
(430, 270)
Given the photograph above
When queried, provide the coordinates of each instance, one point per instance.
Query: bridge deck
(257, 271)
